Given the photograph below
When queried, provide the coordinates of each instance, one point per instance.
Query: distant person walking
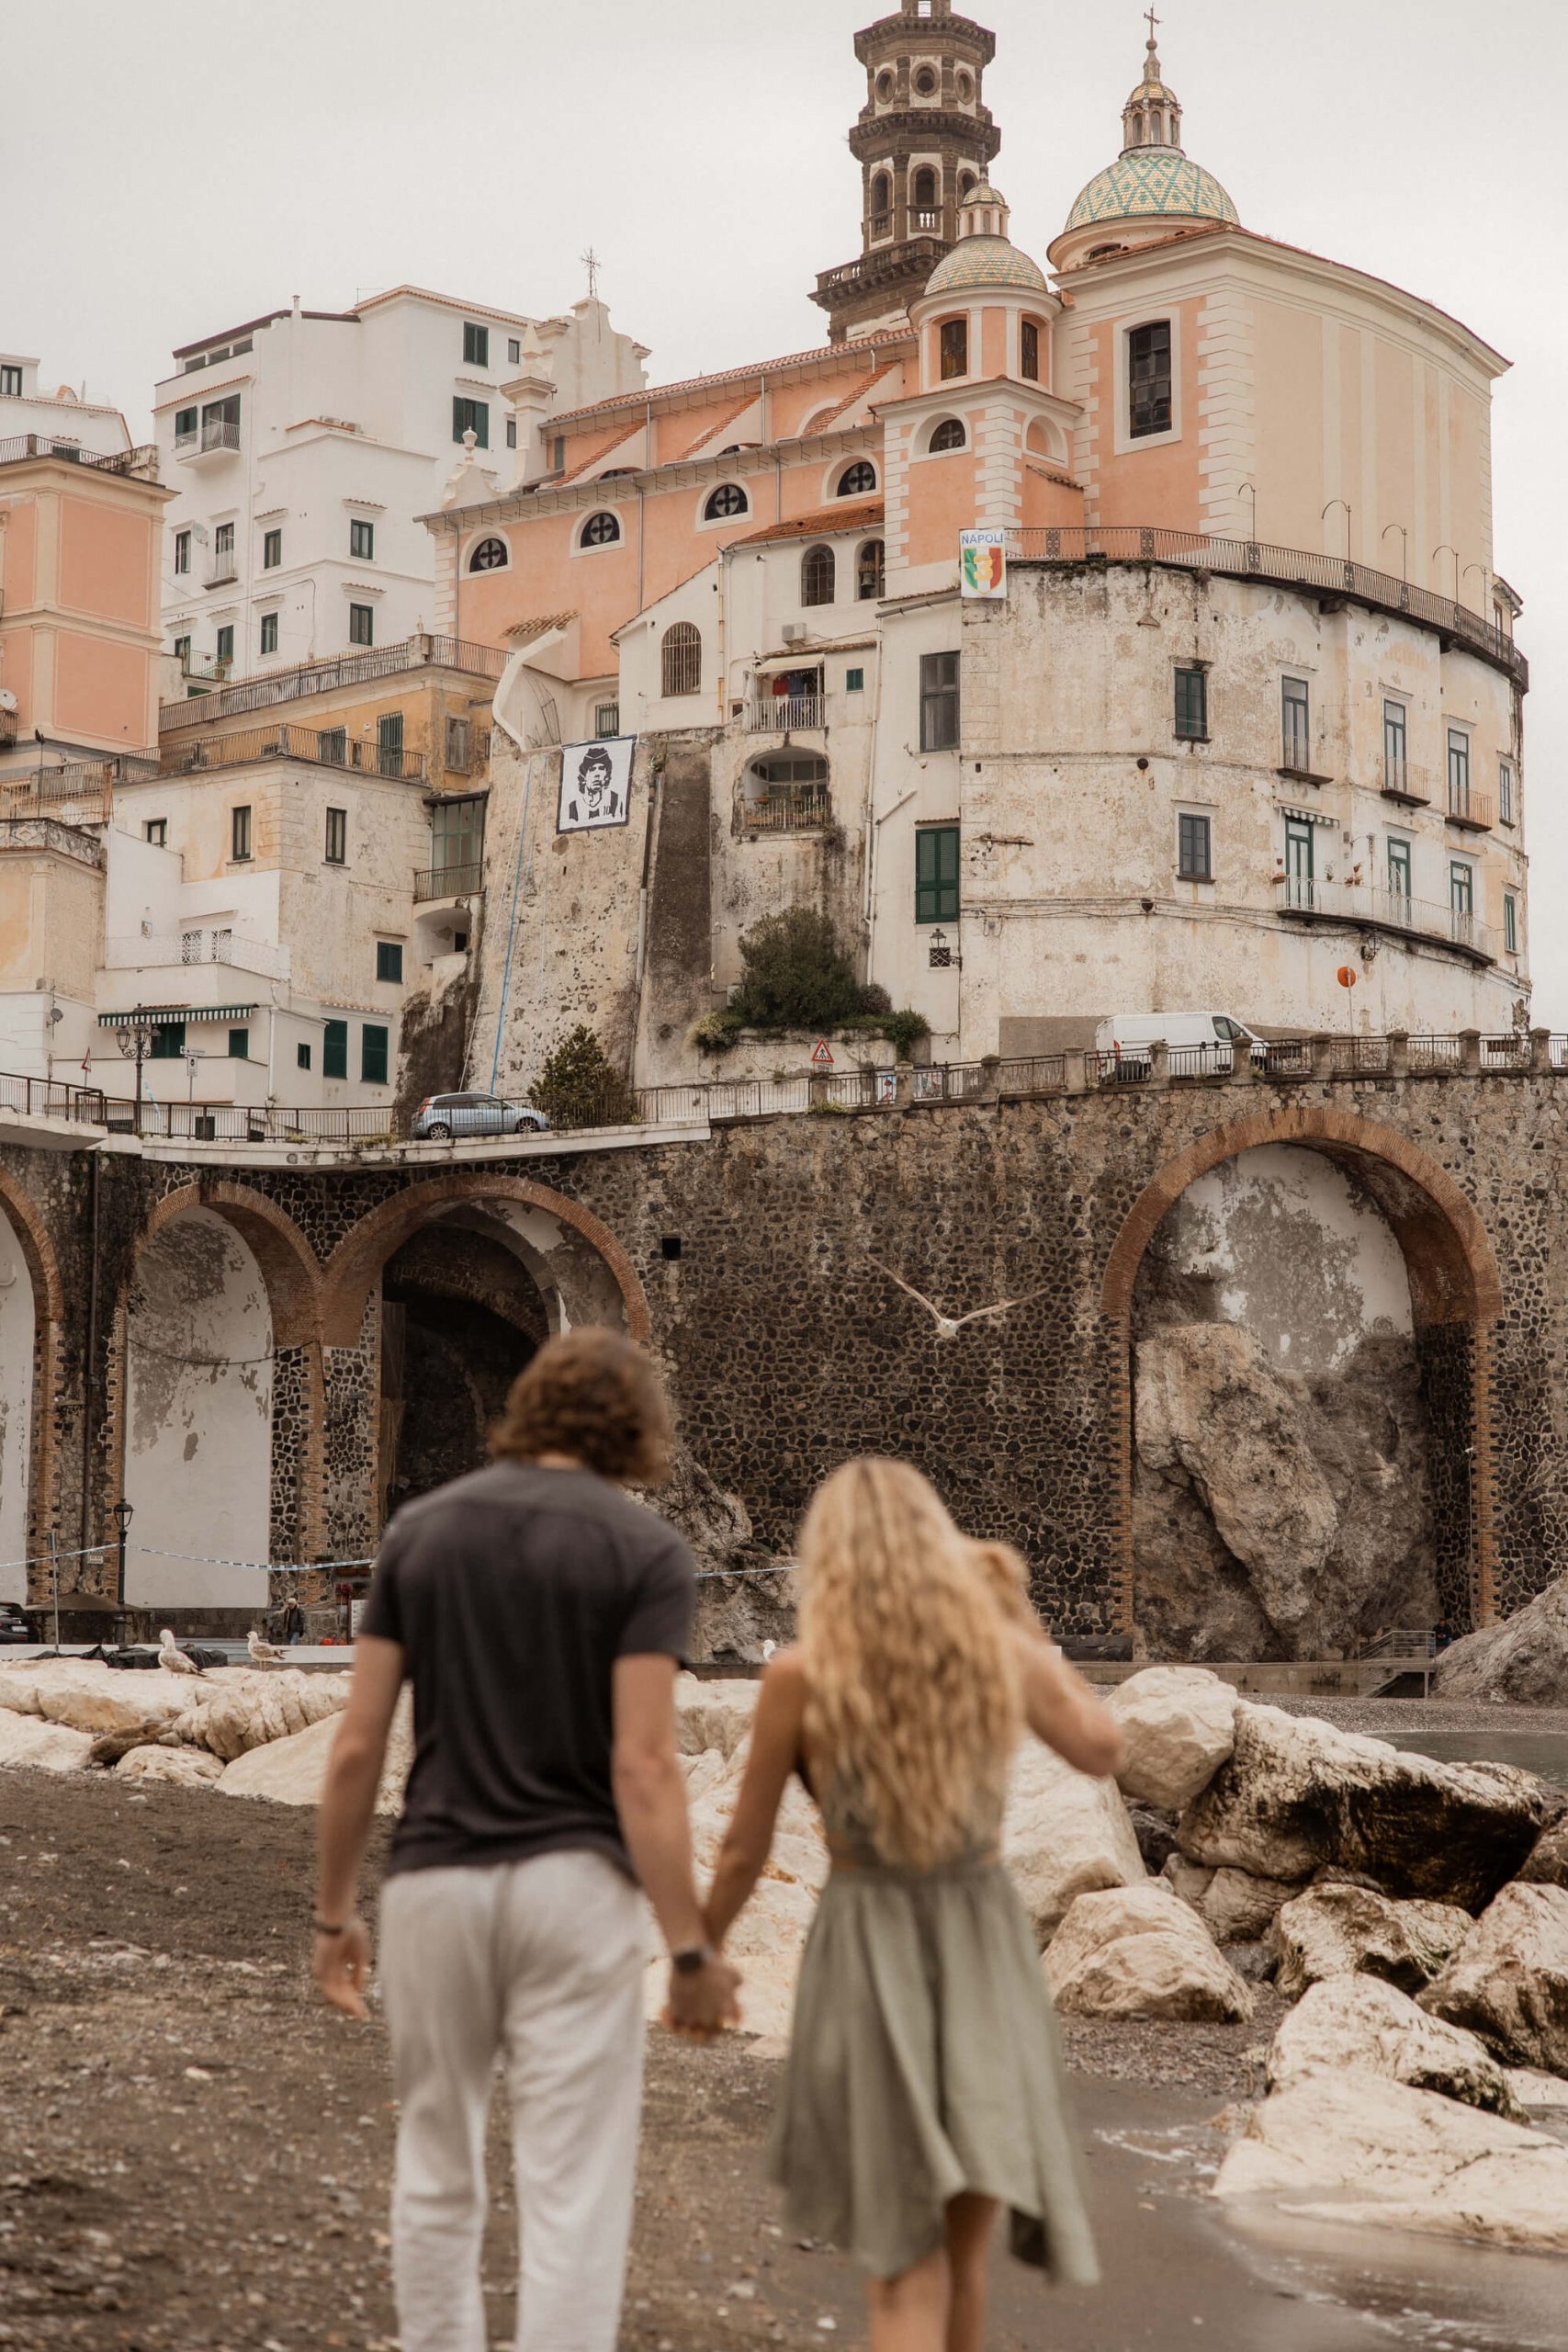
(540, 1614)
(923, 2089)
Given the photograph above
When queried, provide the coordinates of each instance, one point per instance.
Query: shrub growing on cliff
(581, 1087)
(796, 976)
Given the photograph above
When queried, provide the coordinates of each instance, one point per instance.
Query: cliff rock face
(1525, 1659)
(1277, 1514)
(745, 1597)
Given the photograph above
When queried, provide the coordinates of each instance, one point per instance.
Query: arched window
(869, 569)
(728, 499)
(884, 85)
(925, 83)
(858, 481)
(819, 576)
(953, 348)
(923, 194)
(1028, 350)
(601, 530)
(682, 657)
(966, 87)
(948, 434)
(880, 203)
(965, 185)
(490, 555)
(1038, 440)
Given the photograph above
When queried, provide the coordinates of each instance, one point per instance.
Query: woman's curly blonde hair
(912, 1684)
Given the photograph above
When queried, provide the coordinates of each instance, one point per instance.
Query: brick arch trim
(49, 1299)
(289, 1266)
(360, 1255)
(38, 1250)
(1452, 1266)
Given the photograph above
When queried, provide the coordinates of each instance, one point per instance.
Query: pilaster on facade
(1227, 438)
(1080, 375)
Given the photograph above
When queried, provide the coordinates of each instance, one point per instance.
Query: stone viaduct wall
(789, 1348)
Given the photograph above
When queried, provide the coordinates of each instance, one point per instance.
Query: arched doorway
(1304, 1303)
(19, 1335)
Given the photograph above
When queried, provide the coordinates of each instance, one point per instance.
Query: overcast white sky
(166, 173)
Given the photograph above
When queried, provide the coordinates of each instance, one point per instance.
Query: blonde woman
(924, 2090)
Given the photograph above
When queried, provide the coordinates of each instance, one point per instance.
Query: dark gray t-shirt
(512, 1593)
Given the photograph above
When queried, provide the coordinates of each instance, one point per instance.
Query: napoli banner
(595, 784)
(983, 563)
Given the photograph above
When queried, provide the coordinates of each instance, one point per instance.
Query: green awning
(166, 1016)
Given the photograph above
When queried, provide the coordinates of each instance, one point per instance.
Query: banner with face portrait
(595, 784)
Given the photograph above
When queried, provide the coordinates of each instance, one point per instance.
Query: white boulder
(713, 1714)
(1139, 1952)
(240, 1709)
(1335, 1930)
(186, 1767)
(765, 1944)
(1351, 2146)
(92, 1697)
(1359, 2021)
(1178, 1723)
(293, 1770)
(1064, 1835)
(1508, 1980)
(47, 1748)
(1235, 1908)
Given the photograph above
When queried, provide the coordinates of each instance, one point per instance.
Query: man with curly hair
(540, 1614)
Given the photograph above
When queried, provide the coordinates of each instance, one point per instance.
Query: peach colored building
(1246, 708)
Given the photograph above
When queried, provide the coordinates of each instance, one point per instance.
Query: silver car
(461, 1115)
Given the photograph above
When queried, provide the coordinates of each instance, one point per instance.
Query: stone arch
(1455, 1287)
(32, 1448)
(357, 1261)
(291, 1269)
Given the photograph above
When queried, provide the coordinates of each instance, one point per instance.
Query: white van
(1199, 1042)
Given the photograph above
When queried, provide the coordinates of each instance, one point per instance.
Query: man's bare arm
(341, 1962)
(650, 1800)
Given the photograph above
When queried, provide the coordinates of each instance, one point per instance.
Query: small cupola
(1152, 116)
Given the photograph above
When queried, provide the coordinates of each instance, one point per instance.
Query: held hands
(702, 2003)
(341, 1966)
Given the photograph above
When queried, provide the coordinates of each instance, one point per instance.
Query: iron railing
(272, 686)
(1378, 909)
(790, 809)
(49, 1098)
(448, 882)
(164, 950)
(784, 714)
(1324, 575)
(22, 446)
(324, 747)
(1404, 783)
(221, 568)
(1475, 812)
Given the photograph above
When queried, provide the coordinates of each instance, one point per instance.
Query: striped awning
(165, 1017)
(1305, 816)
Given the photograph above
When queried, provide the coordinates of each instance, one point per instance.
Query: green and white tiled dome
(1148, 183)
(985, 254)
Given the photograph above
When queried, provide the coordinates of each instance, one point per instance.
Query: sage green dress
(923, 2063)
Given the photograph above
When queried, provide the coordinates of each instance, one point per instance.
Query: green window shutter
(302, 1057)
(480, 417)
(168, 1042)
(459, 417)
(936, 874)
(239, 1045)
(373, 1055)
(389, 960)
(334, 1049)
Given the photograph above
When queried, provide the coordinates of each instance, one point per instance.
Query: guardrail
(447, 882)
(1285, 1062)
(1325, 575)
(272, 686)
(790, 809)
(22, 446)
(330, 747)
(784, 714)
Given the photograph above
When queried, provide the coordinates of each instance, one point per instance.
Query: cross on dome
(1152, 116)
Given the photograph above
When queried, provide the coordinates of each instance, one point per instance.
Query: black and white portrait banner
(595, 784)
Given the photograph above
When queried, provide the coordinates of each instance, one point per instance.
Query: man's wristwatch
(693, 1959)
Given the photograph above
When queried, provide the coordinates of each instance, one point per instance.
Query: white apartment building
(302, 445)
(62, 418)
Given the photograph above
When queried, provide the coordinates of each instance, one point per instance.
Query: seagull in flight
(173, 1658)
(948, 1327)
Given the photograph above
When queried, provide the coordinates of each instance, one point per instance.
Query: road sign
(821, 1055)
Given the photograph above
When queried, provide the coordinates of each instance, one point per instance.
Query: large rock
(1139, 1952)
(1351, 2146)
(1237, 1908)
(713, 1714)
(744, 1602)
(765, 1944)
(799, 1855)
(47, 1748)
(1525, 1658)
(1297, 1793)
(1178, 1724)
(1358, 2021)
(1330, 1931)
(1547, 1863)
(1064, 1835)
(1508, 1980)
(241, 1710)
(185, 1766)
(92, 1697)
(293, 1770)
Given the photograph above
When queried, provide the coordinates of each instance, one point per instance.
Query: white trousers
(538, 1965)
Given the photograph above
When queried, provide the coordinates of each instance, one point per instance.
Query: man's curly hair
(593, 1395)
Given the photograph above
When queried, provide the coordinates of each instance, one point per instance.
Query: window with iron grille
(334, 1049)
(272, 550)
(606, 719)
(1192, 704)
(819, 576)
(939, 702)
(1194, 849)
(1396, 743)
(458, 745)
(1029, 351)
(362, 624)
(269, 632)
(390, 743)
(239, 833)
(949, 434)
(190, 947)
(858, 481)
(1510, 923)
(471, 416)
(953, 348)
(362, 540)
(1295, 717)
(728, 499)
(1148, 379)
(1505, 792)
(332, 745)
(389, 960)
(870, 571)
(475, 346)
(372, 1055)
(182, 550)
(336, 851)
(682, 659)
(936, 874)
(601, 531)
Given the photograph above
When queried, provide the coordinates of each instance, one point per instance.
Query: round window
(925, 83)
(489, 556)
(728, 499)
(884, 85)
(966, 87)
(601, 531)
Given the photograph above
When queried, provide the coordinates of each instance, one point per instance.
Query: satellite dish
(8, 700)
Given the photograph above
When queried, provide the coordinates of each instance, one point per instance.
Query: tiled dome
(986, 261)
(1149, 183)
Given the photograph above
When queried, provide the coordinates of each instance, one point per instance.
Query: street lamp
(1328, 511)
(1444, 548)
(124, 1513)
(1403, 546)
(134, 1036)
(1484, 577)
(1251, 490)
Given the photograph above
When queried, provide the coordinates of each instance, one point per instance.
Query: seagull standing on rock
(263, 1652)
(174, 1659)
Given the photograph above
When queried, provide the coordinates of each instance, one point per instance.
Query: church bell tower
(924, 138)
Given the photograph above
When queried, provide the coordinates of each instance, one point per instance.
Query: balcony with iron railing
(184, 949)
(784, 715)
(789, 809)
(217, 435)
(448, 882)
(141, 461)
(1473, 812)
(330, 747)
(222, 567)
(1326, 577)
(1409, 786)
(1307, 899)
